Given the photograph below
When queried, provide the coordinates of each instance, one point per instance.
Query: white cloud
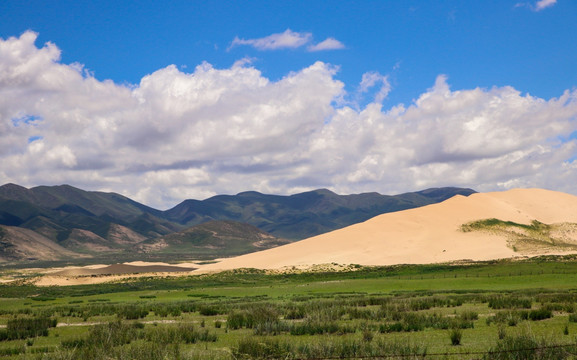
(178, 135)
(543, 4)
(288, 39)
(371, 79)
(327, 44)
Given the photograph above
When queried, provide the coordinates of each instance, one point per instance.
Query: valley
(482, 276)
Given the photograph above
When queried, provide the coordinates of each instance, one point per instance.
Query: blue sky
(436, 93)
(476, 43)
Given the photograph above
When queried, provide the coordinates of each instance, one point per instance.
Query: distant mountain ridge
(68, 222)
(306, 214)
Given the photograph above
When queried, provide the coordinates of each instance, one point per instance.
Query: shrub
(112, 334)
(501, 333)
(15, 350)
(132, 312)
(394, 327)
(469, 315)
(184, 332)
(294, 314)
(73, 343)
(455, 336)
(23, 328)
(208, 311)
(368, 335)
(502, 302)
(526, 347)
(310, 327)
(540, 314)
(254, 348)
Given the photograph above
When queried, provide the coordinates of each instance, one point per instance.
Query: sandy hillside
(428, 234)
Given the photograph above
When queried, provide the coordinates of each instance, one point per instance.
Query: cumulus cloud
(288, 40)
(178, 135)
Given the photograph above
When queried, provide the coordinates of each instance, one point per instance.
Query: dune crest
(429, 234)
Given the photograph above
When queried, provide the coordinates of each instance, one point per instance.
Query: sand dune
(119, 269)
(429, 234)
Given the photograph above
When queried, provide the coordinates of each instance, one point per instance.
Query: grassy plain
(493, 310)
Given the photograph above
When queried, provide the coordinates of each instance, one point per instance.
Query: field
(485, 310)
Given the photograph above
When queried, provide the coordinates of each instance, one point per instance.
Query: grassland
(490, 310)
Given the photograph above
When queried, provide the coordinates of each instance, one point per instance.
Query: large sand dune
(429, 234)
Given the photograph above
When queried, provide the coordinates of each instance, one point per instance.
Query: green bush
(540, 314)
(254, 348)
(132, 312)
(509, 302)
(455, 335)
(24, 328)
(527, 347)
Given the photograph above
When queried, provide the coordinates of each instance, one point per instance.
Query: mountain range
(64, 222)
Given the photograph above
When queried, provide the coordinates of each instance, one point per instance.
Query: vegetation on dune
(528, 238)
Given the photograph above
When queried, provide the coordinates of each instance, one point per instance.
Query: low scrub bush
(209, 311)
(183, 333)
(410, 322)
(540, 314)
(255, 348)
(132, 312)
(11, 351)
(112, 334)
(469, 315)
(263, 318)
(527, 347)
(331, 348)
(509, 302)
(315, 328)
(455, 335)
(24, 328)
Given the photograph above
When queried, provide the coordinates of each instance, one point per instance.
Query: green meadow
(486, 310)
